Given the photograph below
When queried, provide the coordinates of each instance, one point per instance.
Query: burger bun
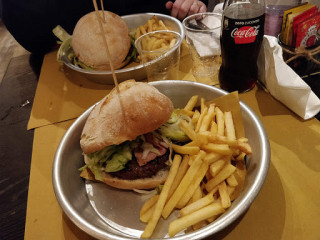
(88, 44)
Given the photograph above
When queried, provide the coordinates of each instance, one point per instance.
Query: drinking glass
(203, 38)
(159, 52)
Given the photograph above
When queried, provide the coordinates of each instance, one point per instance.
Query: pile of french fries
(206, 174)
(153, 24)
(157, 41)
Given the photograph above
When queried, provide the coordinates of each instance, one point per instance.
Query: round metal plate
(108, 213)
(134, 72)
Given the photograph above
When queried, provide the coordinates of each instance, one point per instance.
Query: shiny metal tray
(108, 213)
(135, 71)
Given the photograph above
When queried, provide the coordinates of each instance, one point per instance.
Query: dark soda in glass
(241, 39)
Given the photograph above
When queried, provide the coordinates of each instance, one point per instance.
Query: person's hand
(182, 8)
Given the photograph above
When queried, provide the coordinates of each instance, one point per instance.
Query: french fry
(181, 172)
(223, 149)
(187, 129)
(230, 131)
(225, 172)
(191, 159)
(192, 150)
(191, 103)
(193, 186)
(150, 43)
(148, 204)
(230, 191)
(244, 147)
(142, 30)
(224, 196)
(214, 128)
(220, 121)
(199, 225)
(243, 139)
(240, 145)
(241, 157)
(212, 157)
(150, 22)
(195, 217)
(172, 43)
(162, 198)
(211, 219)
(201, 139)
(182, 188)
(157, 43)
(208, 118)
(161, 24)
(240, 175)
(202, 115)
(186, 112)
(146, 216)
(197, 194)
(216, 167)
(195, 118)
(203, 105)
(232, 181)
(202, 202)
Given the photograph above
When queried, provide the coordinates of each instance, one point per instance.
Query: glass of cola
(241, 38)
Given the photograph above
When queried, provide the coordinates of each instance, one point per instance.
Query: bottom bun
(142, 183)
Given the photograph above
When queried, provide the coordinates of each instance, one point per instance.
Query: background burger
(124, 139)
(87, 42)
(88, 45)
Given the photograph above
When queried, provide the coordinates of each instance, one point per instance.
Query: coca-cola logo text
(246, 34)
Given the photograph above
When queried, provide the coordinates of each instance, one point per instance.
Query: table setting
(275, 114)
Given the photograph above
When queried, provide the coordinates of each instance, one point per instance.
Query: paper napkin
(283, 83)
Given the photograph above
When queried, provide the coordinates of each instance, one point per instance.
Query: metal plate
(134, 72)
(108, 213)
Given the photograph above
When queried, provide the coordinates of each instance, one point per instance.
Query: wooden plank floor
(9, 49)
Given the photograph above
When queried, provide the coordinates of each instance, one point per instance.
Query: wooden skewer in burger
(122, 143)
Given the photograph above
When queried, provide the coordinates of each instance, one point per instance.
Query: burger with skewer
(127, 136)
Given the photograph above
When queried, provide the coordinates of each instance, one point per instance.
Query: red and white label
(246, 34)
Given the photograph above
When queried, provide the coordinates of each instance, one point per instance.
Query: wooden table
(16, 97)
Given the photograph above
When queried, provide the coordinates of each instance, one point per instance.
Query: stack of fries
(153, 24)
(156, 41)
(206, 174)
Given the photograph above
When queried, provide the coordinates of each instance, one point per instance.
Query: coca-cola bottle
(241, 37)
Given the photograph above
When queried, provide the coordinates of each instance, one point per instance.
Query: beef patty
(134, 171)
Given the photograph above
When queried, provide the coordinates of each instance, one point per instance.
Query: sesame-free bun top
(87, 41)
(138, 109)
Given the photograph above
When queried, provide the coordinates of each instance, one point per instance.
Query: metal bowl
(108, 213)
(134, 72)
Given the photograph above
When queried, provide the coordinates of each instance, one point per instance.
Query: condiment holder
(305, 61)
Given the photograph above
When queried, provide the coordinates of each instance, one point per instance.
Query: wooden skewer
(102, 8)
(106, 45)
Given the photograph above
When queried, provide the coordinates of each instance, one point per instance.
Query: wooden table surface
(16, 97)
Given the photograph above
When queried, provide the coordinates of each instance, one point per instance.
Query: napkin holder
(304, 61)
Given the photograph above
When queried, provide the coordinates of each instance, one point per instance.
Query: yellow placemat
(286, 208)
(59, 96)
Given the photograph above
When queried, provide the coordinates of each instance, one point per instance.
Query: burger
(126, 138)
(88, 44)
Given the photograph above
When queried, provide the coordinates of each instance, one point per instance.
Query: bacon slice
(150, 149)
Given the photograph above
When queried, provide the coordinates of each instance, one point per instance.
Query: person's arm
(182, 8)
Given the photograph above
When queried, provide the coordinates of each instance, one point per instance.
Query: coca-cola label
(243, 31)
